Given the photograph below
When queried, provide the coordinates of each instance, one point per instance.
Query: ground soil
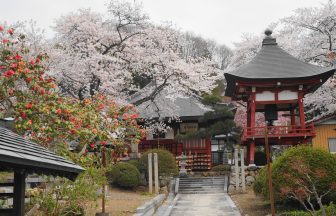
(121, 202)
(250, 204)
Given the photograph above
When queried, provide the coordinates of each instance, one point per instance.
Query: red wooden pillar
(252, 110)
(292, 114)
(251, 152)
(301, 110)
(292, 117)
(252, 125)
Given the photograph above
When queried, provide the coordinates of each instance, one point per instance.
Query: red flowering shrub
(45, 116)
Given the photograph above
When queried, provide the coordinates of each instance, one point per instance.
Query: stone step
(202, 181)
(202, 192)
(187, 185)
(206, 185)
(200, 185)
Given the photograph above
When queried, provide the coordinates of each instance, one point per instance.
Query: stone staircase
(203, 185)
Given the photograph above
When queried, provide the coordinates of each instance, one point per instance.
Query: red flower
(29, 105)
(32, 62)
(92, 145)
(134, 116)
(1, 28)
(18, 57)
(103, 142)
(59, 111)
(5, 41)
(28, 79)
(14, 65)
(94, 130)
(42, 91)
(10, 31)
(125, 116)
(30, 121)
(9, 73)
(23, 115)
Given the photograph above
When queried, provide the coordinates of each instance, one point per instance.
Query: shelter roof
(19, 153)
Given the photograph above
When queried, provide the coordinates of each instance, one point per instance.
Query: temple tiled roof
(273, 63)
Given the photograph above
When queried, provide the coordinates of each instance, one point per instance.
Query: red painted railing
(278, 131)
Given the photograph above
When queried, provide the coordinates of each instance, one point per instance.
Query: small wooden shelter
(273, 82)
(24, 157)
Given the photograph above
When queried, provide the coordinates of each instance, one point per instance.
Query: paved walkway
(218, 204)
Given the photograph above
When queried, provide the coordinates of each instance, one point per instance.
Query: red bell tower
(275, 82)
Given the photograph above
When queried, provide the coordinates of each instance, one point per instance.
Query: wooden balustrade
(278, 131)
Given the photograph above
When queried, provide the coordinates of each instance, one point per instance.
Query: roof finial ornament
(268, 32)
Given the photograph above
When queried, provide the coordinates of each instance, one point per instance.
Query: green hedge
(221, 168)
(330, 211)
(124, 175)
(167, 163)
(282, 167)
(136, 163)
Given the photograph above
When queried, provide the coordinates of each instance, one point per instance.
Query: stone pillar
(150, 173)
(242, 167)
(236, 167)
(156, 173)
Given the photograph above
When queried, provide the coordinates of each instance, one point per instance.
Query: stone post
(156, 173)
(150, 173)
(236, 167)
(242, 167)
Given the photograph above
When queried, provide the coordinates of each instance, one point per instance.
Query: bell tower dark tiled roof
(274, 64)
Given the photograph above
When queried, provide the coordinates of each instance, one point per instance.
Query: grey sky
(222, 20)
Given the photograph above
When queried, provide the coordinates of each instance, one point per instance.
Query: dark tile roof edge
(27, 161)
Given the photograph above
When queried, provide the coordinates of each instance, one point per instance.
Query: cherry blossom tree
(121, 55)
(310, 35)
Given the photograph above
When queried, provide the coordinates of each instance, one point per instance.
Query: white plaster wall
(265, 96)
(288, 95)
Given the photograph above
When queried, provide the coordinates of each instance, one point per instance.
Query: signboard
(188, 127)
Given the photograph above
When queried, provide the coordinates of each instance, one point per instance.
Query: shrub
(167, 163)
(221, 168)
(124, 175)
(330, 210)
(65, 197)
(296, 170)
(135, 163)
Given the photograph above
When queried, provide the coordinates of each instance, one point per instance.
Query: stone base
(252, 167)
